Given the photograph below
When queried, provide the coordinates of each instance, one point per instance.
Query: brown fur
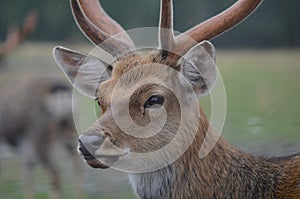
(124, 99)
(225, 172)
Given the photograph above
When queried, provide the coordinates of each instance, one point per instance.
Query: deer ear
(199, 67)
(85, 72)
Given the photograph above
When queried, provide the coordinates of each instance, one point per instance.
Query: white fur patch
(133, 179)
(148, 187)
(154, 184)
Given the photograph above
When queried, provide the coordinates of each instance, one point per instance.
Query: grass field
(263, 113)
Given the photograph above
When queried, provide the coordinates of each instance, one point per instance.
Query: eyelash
(97, 99)
(101, 106)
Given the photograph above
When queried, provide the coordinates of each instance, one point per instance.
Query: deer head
(147, 102)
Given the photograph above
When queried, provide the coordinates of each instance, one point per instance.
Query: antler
(15, 35)
(98, 26)
(205, 30)
(166, 33)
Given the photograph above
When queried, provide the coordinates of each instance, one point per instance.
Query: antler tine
(98, 26)
(17, 35)
(95, 13)
(215, 25)
(166, 34)
(29, 23)
(11, 42)
(90, 31)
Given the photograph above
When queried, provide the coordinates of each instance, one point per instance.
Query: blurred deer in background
(16, 35)
(34, 114)
(165, 85)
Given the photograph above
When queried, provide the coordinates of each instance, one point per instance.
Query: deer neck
(224, 173)
(189, 168)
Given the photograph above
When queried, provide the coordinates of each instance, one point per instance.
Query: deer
(34, 115)
(151, 124)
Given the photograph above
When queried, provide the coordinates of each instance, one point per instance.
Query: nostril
(83, 149)
(90, 142)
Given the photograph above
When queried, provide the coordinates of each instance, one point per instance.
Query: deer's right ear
(85, 72)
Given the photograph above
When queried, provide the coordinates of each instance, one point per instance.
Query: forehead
(133, 72)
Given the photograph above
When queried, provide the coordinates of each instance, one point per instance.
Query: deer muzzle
(97, 149)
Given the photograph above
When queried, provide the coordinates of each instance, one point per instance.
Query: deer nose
(88, 144)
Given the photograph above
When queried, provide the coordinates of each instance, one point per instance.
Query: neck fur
(224, 173)
(167, 182)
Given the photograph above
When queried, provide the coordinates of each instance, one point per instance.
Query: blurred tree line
(274, 24)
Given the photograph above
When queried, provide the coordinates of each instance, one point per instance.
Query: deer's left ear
(199, 67)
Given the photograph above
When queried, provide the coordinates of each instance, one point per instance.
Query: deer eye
(155, 101)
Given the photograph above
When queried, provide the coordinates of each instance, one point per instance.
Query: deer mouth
(89, 158)
(93, 162)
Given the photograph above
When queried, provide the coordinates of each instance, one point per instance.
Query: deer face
(142, 102)
(148, 103)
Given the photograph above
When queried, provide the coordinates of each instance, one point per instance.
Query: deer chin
(96, 164)
(93, 162)
(102, 160)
